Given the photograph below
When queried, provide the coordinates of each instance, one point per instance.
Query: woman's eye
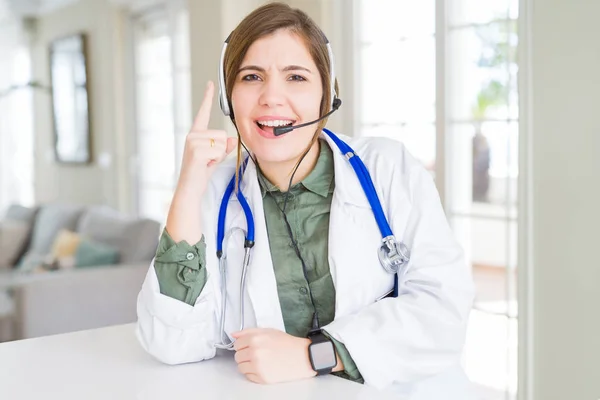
(250, 77)
(297, 78)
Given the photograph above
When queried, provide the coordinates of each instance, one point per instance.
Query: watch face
(323, 355)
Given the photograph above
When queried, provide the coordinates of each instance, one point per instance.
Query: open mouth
(268, 126)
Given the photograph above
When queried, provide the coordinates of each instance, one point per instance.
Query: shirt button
(303, 290)
(189, 256)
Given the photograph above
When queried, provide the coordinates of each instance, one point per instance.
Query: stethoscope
(393, 255)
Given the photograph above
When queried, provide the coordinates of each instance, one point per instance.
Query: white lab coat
(412, 342)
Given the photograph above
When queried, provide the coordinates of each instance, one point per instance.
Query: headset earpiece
(223, 103)
(222, 88)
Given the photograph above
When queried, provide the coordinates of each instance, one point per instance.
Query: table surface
(108, 363)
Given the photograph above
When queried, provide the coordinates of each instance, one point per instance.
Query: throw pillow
(65, 244)
(90, 253)
(13, 237)
(48, 223)
(61, 255)
(64, 248)
(71, 250)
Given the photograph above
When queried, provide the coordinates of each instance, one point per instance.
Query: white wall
(565, 70)
(86, 184)
(207, 33)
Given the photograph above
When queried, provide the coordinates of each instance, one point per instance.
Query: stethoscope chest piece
(393, 255)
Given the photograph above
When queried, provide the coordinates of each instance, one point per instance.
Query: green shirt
(181, 267)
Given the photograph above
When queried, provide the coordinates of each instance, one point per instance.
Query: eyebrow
(285, 69)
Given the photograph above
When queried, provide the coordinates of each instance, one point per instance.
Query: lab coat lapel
(354, 238)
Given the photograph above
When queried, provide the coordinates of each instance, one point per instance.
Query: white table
(109, 363)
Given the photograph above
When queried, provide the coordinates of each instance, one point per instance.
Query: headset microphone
(280, 130)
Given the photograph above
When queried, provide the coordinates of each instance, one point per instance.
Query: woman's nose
(273, 93)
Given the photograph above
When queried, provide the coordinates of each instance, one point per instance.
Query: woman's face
(278, 84)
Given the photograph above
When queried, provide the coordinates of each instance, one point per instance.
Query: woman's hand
(204, 148)
(272, 356)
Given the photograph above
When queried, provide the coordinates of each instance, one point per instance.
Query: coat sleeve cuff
(350, 371)
(182, 253)
(180, 268)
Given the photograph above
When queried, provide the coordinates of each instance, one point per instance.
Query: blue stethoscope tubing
(393, 255)
(365, 181)
(223, 211)
(225, 342)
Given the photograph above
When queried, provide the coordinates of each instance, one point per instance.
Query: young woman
(315, 296)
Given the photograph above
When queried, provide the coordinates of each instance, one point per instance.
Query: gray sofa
(66, 300)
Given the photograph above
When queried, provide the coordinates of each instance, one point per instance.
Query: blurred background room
(497, 98)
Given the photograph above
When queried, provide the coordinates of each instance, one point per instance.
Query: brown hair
(264, 21)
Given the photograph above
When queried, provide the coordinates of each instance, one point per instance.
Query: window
(466, 104)
(396, 69)
(16, 116)
(482, 155)
(163, 101)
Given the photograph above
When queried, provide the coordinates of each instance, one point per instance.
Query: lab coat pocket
(366, 277)
(361, 217)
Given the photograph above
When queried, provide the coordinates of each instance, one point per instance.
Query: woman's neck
(279, 173)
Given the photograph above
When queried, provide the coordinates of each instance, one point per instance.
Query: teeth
(278, 122)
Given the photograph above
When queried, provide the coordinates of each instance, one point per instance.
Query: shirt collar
(318, 181)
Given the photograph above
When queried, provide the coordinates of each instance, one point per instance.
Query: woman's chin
(272, 157)
(271, 149)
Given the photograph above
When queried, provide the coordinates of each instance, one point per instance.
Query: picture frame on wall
(70, 99)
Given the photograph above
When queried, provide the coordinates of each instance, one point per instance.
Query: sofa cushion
(13, 238)
(50, 219)
(136, 239)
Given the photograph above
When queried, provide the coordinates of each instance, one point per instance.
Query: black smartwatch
(321, 353)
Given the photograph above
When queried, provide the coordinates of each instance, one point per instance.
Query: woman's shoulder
(383, 151)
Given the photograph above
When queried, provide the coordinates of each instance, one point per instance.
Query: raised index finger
(203, 116)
